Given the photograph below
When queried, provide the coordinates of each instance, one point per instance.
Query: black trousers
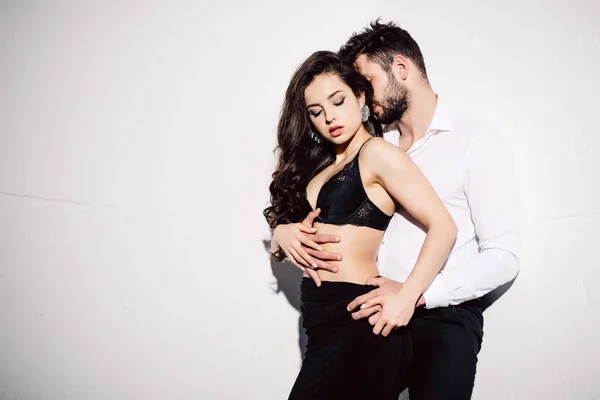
(446, 342)
(344, 359)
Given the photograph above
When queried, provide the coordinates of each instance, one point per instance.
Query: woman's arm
(406, 184)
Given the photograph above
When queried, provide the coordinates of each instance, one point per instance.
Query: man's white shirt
(471, 169)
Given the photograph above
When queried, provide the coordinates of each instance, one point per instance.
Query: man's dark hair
(381, 43)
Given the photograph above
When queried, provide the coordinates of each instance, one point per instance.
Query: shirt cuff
(436, 294)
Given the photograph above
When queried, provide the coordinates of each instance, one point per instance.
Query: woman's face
(333, 108)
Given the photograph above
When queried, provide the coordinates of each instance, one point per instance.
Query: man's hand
(371, 309)
(301, 245)
(386, 286)
(397, 310)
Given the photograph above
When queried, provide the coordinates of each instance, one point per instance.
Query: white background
(135, 153)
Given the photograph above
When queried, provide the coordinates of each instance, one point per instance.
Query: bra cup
(340, 198)
(343, 200)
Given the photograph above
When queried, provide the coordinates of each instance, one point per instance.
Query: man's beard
(395, 101)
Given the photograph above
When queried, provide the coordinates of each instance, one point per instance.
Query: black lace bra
(344, 201)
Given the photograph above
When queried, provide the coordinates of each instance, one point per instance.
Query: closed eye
(314, 114)
(340, 102)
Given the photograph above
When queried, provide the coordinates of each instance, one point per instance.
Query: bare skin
(389, 177)
(413, 125)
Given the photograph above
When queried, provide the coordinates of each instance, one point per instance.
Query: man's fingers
(388, 328)
(361, 300)
(376, 281)
(374, 318)
(366, 312)
(379, 326)
(324, 255)
(324, 238)
(325, 266)
(308, 243)
(320, 263)
(373, 301)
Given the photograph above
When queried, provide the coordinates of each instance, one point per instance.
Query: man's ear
(400, 65)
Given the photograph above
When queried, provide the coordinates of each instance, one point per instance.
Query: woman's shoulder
(383, 158)
(378, 147)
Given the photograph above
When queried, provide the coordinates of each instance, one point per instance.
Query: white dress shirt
(471, 169)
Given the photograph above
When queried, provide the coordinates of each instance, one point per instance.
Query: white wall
(135, 152)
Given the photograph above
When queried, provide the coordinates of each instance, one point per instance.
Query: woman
(330, 161)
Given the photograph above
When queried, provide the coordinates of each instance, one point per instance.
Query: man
(471, 170)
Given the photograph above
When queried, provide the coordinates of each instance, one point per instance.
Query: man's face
(390, 97)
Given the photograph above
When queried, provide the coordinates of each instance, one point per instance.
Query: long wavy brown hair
(300, 158)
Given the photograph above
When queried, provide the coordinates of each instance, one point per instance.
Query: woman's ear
(362, 100)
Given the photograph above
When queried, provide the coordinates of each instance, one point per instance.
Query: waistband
(326, 305)
(332, 291)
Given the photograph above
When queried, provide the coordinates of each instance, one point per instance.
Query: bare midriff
(358, 246)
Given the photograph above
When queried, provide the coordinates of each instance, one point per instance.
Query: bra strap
(361, 146)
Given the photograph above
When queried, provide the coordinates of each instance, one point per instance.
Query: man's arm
(491, 194)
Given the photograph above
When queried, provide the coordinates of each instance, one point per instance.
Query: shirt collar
(442, 121)
(443, 118)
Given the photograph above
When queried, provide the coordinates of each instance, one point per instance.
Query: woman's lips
(336, 131)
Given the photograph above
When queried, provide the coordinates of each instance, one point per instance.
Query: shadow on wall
(288, 278)
(497, 293)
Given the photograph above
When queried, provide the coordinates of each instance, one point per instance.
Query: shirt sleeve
(491, 196)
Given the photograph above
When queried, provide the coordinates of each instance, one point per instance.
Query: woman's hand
(298, 240)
